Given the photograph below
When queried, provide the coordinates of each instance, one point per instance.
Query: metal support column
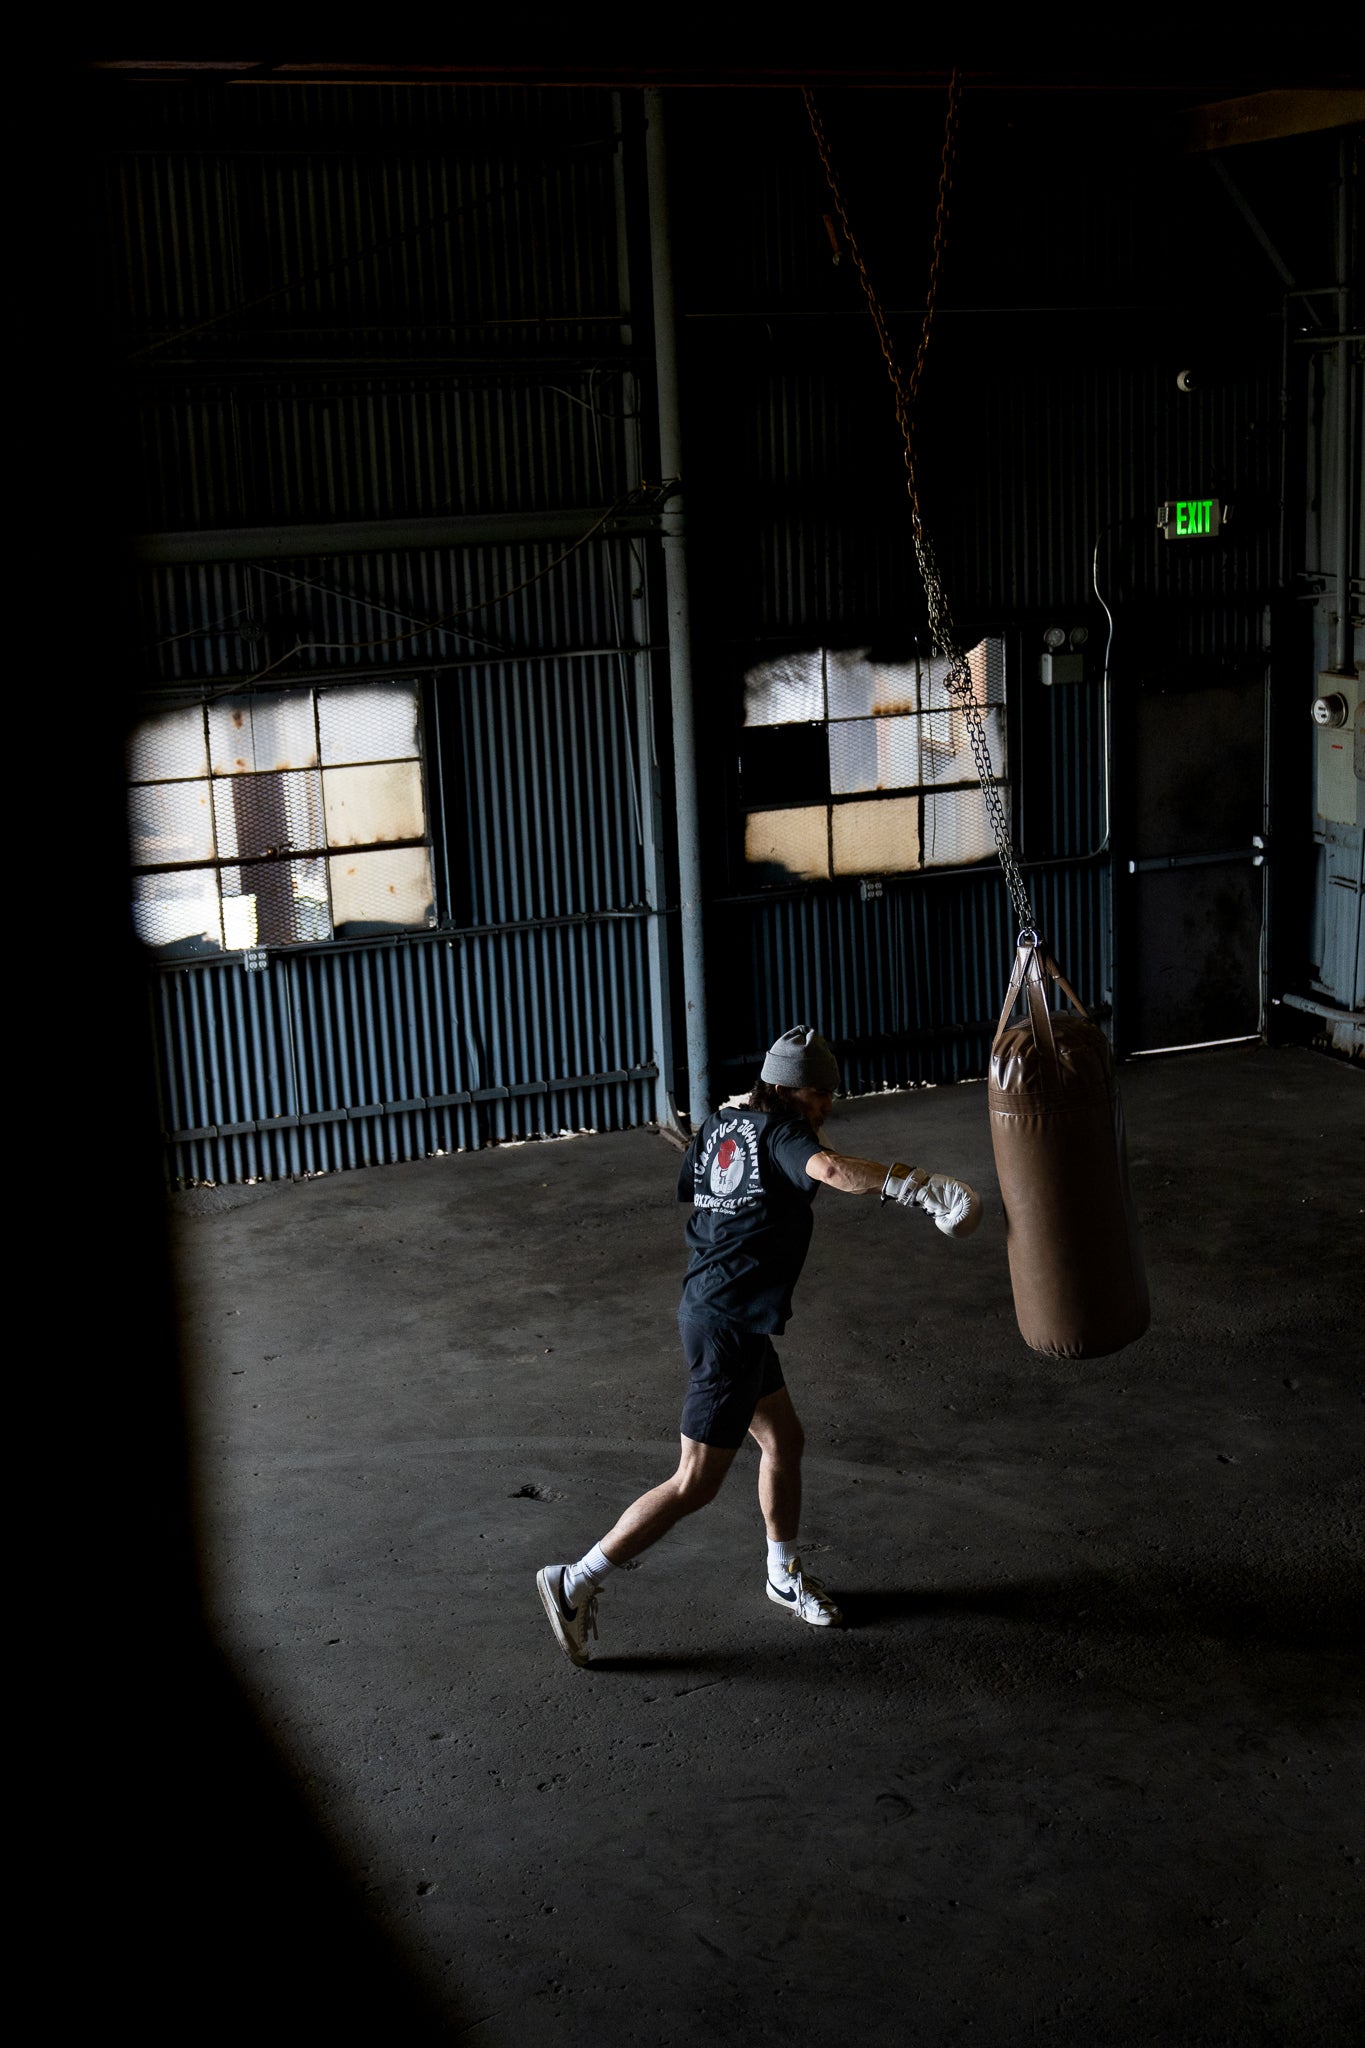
(1343, 644)
(649, 792)
(679, 616)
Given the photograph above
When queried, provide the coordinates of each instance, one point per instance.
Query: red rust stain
(239, 718)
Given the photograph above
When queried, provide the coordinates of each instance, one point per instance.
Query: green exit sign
(1190, 518)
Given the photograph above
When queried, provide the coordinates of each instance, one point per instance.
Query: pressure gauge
(1331, 711)
(1055, 637)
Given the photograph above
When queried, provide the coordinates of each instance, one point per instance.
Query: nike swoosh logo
(781, 1595)
(566, 1613)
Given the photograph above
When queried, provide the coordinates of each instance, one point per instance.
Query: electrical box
(1340, 762)
(1063, 656)
(1190, 518)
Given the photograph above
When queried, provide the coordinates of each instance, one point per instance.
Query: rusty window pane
(267, 817)
(283, 901)
(170, 747)
(874, 753)
(170, 824)
(888, 727)
(379, 803)
(368, 722)
(789, 843)
(877, 838)
(956, 828)
(178, 910)
(786, 692)
(380, 890)
(255, 735)
(850, 683)
(231, 816)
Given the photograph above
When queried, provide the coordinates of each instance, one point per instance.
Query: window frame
(1000, 662)
(322, 849)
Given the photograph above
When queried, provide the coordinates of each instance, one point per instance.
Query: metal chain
(943, 632)
(945, 180)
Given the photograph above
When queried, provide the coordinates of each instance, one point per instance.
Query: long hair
(772, 1099)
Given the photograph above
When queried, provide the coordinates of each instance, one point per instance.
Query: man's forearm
(955, 1208)
(847, 1176)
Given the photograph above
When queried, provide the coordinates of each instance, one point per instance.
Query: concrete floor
(1086, 1766)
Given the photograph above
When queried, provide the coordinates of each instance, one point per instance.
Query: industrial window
(278, 818)
(854, 766)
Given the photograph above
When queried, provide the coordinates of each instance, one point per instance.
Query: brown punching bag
(1080, 1287)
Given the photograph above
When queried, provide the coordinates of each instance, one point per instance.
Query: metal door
(1191, 886)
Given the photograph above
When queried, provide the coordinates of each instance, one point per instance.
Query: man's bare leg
(777, 1431)
(568, 1593)
(698, 1479)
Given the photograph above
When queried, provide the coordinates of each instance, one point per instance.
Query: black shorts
(732, 1371)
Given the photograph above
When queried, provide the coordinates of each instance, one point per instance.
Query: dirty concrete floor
(1085, 1767)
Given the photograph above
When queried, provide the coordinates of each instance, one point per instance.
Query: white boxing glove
(903, 1183)
(955, 1208)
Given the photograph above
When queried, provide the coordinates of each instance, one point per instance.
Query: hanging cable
(362, 601)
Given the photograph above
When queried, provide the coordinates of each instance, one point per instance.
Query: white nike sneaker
(803, 1597)
(572, 1625)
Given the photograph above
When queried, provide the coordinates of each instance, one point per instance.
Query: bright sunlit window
(279, 818)
(854, 766)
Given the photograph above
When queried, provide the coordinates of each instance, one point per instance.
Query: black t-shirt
(750, 1227)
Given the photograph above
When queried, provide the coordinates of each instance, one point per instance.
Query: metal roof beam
(377, 536)
(1267, 117)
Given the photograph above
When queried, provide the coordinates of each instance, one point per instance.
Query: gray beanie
(801, 1058)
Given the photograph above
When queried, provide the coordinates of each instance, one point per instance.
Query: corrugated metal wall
(344, 447)
(908, 984)
(378, 1053)
(395, 305)
(362, 613)
(390, 303)
(1051, 421)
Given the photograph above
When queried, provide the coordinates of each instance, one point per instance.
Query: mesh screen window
(854, 766)
(279, 818)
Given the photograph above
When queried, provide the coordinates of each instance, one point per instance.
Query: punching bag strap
(1063, 984)
(1033, 960)
(1034, 966)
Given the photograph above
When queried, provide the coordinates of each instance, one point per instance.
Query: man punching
(751, 1176)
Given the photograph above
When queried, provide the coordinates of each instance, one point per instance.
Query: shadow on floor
(1318, 1615)
(230, 1914)
(642, 1666)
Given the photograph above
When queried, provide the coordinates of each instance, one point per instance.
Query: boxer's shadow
(874, 1609)
(1312, 1610)
(1064, 1601)
(705, 1666)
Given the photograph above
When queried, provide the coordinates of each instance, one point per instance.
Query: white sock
(590, 1570)
(782, 1556)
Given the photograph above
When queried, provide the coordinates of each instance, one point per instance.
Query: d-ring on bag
(1080, 1286)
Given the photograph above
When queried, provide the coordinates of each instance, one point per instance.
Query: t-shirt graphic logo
(727, 1169)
